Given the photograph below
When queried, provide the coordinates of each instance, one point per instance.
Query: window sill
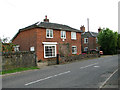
(49, 37)
(50, 57)
(74, 53)
(63, 38)
(73, 39)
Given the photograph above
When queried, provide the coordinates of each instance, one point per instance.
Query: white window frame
(32, 48)
(96, 39)
(76, 49)
(16, 48)
(49, 33)
(73, 34)
(49, 56)
(85, 40)
(64, 33)
(50, 44)
(96, 48)
(87, 48)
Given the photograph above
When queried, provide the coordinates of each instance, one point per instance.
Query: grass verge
(18, 70)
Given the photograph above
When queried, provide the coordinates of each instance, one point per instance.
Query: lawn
(18, 70)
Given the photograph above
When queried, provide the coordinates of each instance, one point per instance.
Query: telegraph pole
(88, 31)
(88, 23)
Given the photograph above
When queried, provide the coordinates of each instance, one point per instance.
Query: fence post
(57, 60)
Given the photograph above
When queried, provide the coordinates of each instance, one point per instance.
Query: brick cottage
(49, 39)
(89, 40)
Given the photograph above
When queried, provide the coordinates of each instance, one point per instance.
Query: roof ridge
(62, 25)
(91, 33)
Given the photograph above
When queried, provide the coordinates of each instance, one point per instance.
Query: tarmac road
(90, 73)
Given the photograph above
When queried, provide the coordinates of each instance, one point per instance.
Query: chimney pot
(82, 28)
(99, 29)
(46, 20)
(46, 17)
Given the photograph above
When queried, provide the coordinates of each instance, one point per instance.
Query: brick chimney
(82, 28)
(46, 20)
(99, 29)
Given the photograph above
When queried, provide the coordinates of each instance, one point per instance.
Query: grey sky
(17, 14)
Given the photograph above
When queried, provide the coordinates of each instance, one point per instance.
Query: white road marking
(96, 66)
(108, 78)
(47, 78)
(57, 75)
(88, 65)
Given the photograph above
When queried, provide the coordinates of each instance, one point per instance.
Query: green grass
(18, 70)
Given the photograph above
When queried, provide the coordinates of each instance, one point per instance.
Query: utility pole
(88, 23)
(88, 31)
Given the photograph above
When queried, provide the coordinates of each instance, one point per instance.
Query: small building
(49, 39)
(89, 40)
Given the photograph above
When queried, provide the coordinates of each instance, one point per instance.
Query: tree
(5, 39)
(119, 41)
(107, 39)
(6, 45)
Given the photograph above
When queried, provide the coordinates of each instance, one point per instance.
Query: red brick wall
(26, 39)
(91, 43)
(41, 37)
(35, 37)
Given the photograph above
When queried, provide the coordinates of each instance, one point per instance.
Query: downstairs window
(49, 51)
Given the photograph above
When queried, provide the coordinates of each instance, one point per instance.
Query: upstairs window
(49, 33)
(63, 34)
(85, 40)
(73, 35)
(74, 50)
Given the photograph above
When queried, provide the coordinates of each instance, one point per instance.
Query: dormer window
(49, 33)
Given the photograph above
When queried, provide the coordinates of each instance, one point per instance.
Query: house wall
(41, 37)
(35, 37)
(26, 39)
(91, 43)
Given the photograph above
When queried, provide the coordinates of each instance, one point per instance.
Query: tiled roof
(89, 34)
(49, 26)
(95, 34)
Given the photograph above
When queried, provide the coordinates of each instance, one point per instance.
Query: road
(90, 73)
